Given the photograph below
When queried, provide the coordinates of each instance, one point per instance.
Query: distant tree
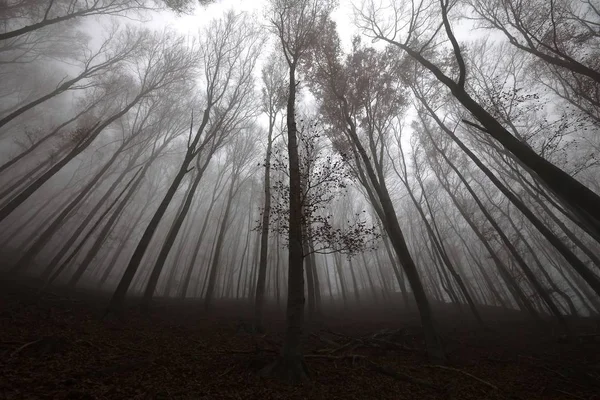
(240, 157)
(229, 53)
(159, 66)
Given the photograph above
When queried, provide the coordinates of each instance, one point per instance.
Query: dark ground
(57, 348)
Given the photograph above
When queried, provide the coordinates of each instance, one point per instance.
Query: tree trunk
(290, 366)
(576, 195)
(91, 214)
(264, 234)
(169, 241)
(390, 222)
(45, 236)
(580, 267)
(212, 279)
(117, 301)
(527, 271)
(83, 266)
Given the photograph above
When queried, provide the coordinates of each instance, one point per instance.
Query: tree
(240, 156)
(273, 100)
(296, 23)
(559, 32)
(418, 26)
(229, 52)
(325, 229)
(27, 16)
(359, 108)
(120, 47)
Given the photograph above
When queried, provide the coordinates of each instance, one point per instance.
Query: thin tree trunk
(212, 279)
(522, 264)
(170, 240)
(45, 236)
(581, 268)
(83, 266)
(117, 301)
(264, 233)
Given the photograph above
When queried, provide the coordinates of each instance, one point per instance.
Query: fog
(325, 182)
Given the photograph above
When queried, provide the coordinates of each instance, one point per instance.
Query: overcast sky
(202, 15)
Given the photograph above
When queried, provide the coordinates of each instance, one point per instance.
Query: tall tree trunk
(340, 274)
(354, 282)
(370, 279)
(310, 281)
(397, 272)
(574, 194)
(315, 274)
(81, 145)
(579, 266)
(290, 365)
(390, 222)
(92, 213)
(531, 277)
(212, 279)
(123, 243)
(11, 187)
(264, 234)
(117, 301)
(512, 286)
(169, 241)
(192, 263)
(329, 287)
(47, 234)
(27, 223)
(83, 266)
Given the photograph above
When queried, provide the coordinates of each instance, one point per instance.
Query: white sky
(189, 24)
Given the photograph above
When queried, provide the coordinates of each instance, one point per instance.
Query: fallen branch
(337, 334)
(401, 376)
(255, 351)
(570, 394)
(228, 370)
(329, 342)
(26, 345)
(460, 371)
(11, 343)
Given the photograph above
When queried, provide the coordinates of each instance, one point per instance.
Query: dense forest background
(305, 156)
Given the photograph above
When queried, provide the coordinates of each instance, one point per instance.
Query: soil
(54, 346)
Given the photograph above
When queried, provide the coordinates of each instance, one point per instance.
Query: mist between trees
(434, 168)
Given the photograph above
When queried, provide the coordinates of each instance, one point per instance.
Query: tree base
(290, 370)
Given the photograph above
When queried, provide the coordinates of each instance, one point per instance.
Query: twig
(390, 343)
(570, 394)
(255, 351)
(401, 376)
(329, 342)
(228, 370)
(10, 343)
(337, 334)
(23, 347)
(460, 371)
(332, 357)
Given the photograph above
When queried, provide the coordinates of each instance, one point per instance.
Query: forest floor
(56, 347)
